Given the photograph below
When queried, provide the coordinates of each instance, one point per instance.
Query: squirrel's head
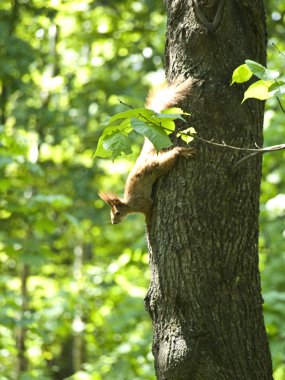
(119, 210)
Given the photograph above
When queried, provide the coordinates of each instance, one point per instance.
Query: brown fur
(149, 165)
(110, 198)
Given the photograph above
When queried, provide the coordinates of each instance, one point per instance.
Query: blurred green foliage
(272, 208)
(72, 285)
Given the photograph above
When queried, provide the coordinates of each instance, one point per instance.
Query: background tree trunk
(205, 297)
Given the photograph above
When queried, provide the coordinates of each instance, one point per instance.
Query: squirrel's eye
(117, 213)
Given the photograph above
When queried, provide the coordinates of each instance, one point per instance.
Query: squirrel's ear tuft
(109, 198)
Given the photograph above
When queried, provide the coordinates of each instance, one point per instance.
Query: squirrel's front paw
(186, 152)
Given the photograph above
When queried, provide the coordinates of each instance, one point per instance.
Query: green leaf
(185, 137)
(259, 90)
(136, 112)
(175, 110)
(278, 87)
(166, 117)
(256, 68)
(124, 127)
(168, 125)
(241, 74)
(117, 143)
(154, 133)
(260, 71)
(100, 150)
(171, 116)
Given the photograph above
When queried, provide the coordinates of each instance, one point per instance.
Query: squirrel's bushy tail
(168, 96)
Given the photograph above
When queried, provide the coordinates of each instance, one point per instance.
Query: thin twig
(234, 167)
(279, 51)
(273, 148)
(280, 104)
(125, 104)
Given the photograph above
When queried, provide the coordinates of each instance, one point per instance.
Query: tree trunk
(205, 296)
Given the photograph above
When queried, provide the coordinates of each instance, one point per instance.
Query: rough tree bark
(205, 296)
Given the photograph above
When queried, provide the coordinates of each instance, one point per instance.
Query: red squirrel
(150, 165)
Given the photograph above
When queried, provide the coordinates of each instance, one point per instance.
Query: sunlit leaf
(142, 112)
(186, 134)
(258, 90)
(168, 125)
(241, 74)
(174, 110)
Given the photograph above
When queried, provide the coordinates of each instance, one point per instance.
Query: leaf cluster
(155, 126)
(266, 87)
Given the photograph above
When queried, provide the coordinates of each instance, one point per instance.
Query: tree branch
(280, 104)
(252, 151)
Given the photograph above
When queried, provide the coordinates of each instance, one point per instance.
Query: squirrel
(150, 165)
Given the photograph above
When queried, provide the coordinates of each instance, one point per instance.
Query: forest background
(72, 285)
